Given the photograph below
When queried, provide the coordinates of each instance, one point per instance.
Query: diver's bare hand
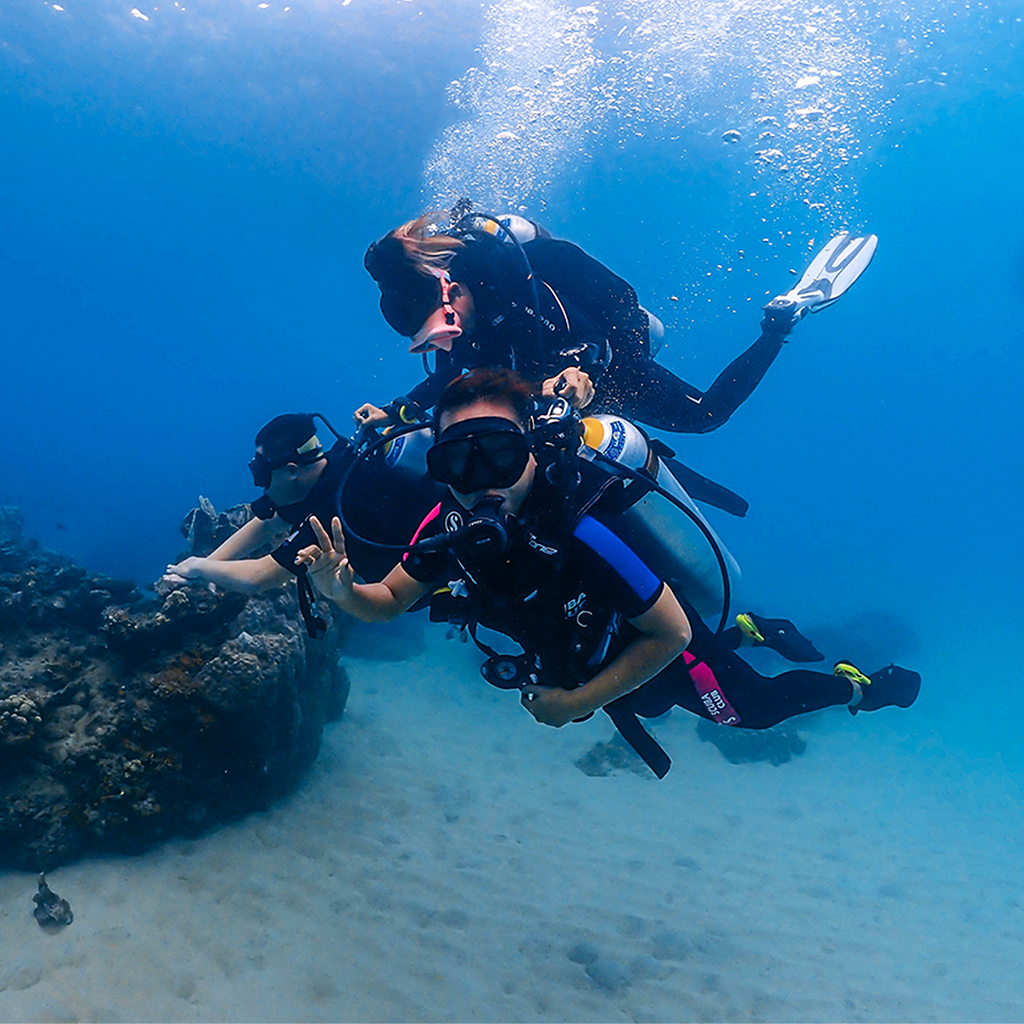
(172, 580)
(551, 705)
(369, 415)
(572, 384)
(187, 572)
(190, 568)
(327, 562)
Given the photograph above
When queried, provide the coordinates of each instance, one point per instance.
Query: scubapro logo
(618, 440)
(394, 451)
(453, 522)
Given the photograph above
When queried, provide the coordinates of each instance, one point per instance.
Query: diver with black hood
(301, 479)
(298, 478)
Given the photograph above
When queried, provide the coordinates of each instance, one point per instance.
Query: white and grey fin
(829, 275)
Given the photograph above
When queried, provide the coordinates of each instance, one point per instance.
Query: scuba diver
(481, 291)
(300, 479)
(531, 542)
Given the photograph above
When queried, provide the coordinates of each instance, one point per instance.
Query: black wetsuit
(567, 599)
(322, 502)
(760, 701)
(590, 318)
(378, 506)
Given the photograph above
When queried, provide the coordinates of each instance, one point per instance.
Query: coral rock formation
(126, 720)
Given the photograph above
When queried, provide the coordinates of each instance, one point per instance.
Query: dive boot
(780, 635)
(888, 687)
(830, 274)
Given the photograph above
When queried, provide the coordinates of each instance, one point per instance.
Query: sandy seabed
(446, 861)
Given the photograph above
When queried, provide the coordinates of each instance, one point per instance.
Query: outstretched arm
(422, 397)
(247, 576)
(664, 633)
(250, 536)
(445, 371)
(332, 574)
(228, 568)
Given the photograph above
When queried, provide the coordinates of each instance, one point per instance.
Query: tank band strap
(638, 737)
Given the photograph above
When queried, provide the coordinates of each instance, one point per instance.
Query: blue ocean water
(188, 190)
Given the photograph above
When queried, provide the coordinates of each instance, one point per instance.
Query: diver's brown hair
(489, 383)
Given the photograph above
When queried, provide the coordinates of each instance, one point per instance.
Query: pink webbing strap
(431, 516)
(710, 692)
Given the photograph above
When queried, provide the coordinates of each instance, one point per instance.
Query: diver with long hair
(481, 291)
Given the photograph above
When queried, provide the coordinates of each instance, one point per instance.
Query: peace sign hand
(327, 562)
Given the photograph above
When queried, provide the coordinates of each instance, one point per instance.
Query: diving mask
(487, 453)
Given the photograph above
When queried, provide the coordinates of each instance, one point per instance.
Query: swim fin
(830, 274)
(700, 488)
(780, 635)
(888, 687)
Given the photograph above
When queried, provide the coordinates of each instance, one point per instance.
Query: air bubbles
(530, 108)
(778, 73)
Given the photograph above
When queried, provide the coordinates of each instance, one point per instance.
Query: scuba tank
(406, 455)
(666, 538)
(509, 228)
(519, 228)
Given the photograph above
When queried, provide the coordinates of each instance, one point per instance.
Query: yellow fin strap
(851, 672)
(749, 629)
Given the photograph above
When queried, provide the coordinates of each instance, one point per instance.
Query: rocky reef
(127, 718)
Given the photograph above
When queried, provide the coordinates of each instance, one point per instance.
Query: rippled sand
(447, 861)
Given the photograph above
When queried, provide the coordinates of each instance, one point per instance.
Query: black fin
(782, 636)
(700, 488)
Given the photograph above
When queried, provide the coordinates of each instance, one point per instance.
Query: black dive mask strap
(316, 627)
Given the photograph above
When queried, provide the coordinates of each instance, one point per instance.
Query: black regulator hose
(362, 454)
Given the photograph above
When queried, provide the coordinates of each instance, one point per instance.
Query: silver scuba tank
(406, 455)
(520, 228)
(664, 536)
